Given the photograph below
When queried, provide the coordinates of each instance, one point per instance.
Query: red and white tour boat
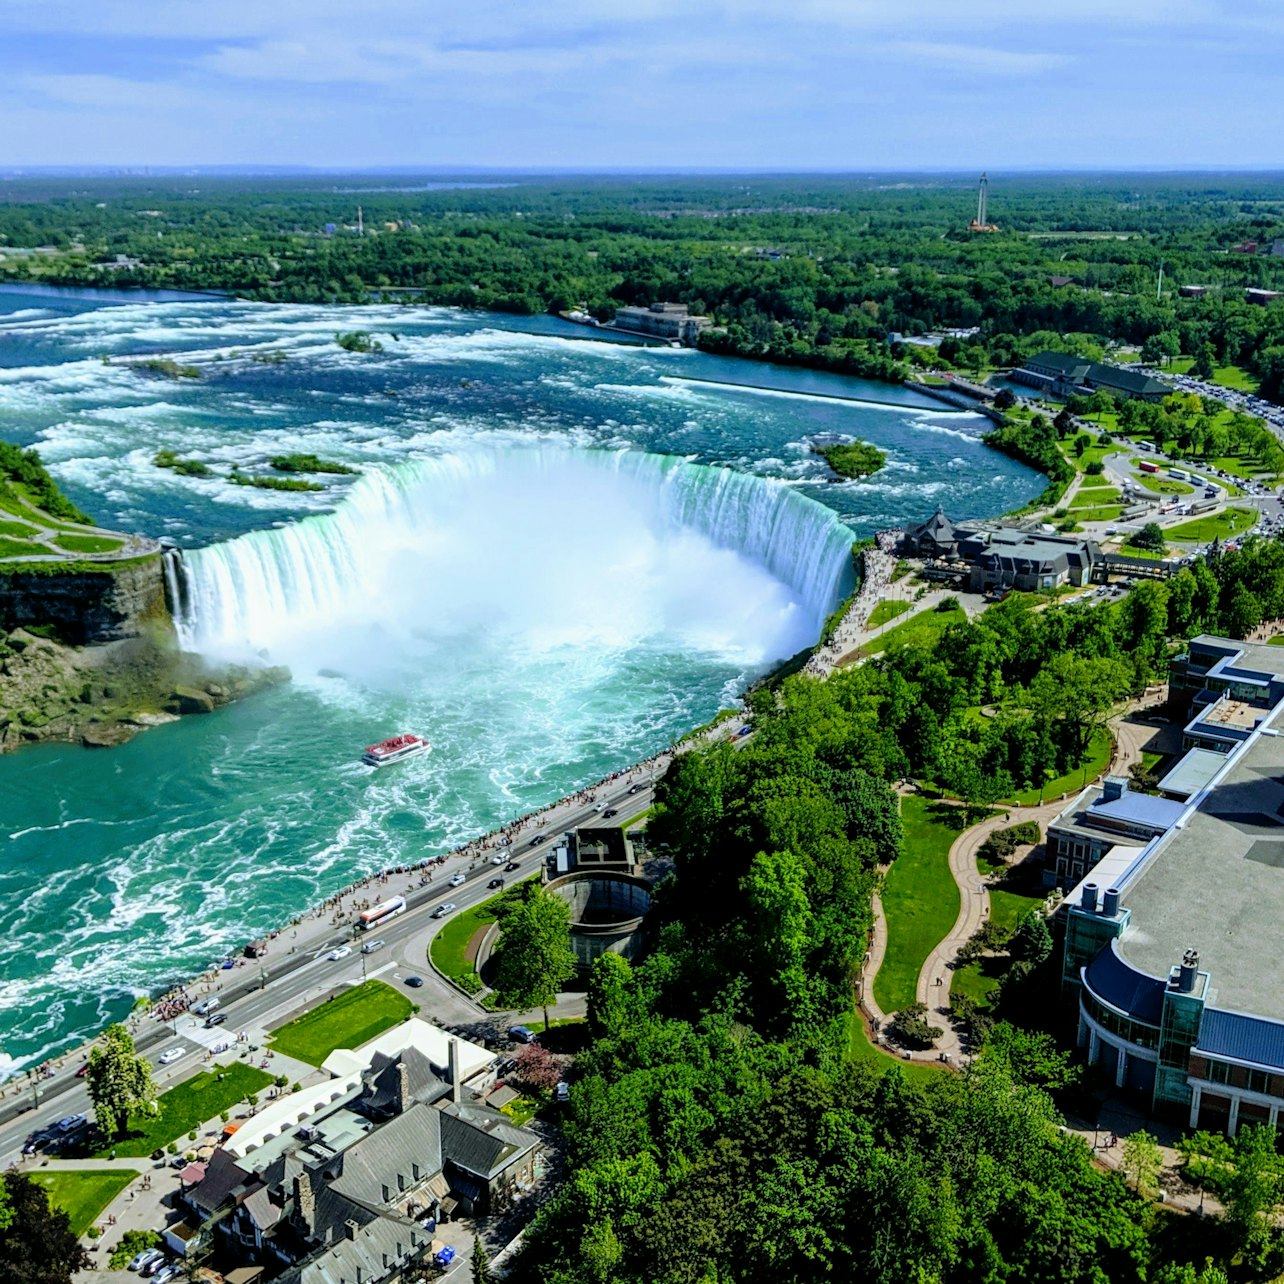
(395, 749)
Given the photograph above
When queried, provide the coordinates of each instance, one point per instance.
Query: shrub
(948, 604)
(130, 1244)
(910, 1028)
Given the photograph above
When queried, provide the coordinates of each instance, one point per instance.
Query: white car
(70, 1122)
(341, 953)
(459, 878)
(168, 1058)
(498, 859)
(146, 1258)
(371, 946)
(442, 910)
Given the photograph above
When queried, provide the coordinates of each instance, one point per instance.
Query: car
(145, 1258)
(341, 952)
(415, 982)
(179, 1161)
(371, 946)
(168, 1058)
(200, 1008)
(512, 865)
(495, 882)
(444, 1256)
(563, 1092)
(456, 880)
(167, 1273)
(153, 1267)
(597, 806)
(446, 907)
(609, 812)
(216, 1019)
(68, 1122)
(498, 859)
(635, 789)
(82, 1071)
(539, 838)
(745, 731)
(521, 1033)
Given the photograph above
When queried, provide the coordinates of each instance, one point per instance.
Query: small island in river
(851, 458)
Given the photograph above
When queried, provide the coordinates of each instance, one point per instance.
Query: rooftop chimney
(350, 1229)
(456, 1087)
(1188, 972)
(1089, 901)
(1113, 787)
(1110, 902)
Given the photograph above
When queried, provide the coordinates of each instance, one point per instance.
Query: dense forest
(815, 269)
(720, 1126)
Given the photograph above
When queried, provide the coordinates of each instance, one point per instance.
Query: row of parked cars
(156, 1265)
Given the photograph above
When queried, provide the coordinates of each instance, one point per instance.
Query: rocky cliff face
(92, 656)
(88, 607)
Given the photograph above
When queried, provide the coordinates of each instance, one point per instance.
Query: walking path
(878, 564)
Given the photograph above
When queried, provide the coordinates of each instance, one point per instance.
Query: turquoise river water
(561, 552)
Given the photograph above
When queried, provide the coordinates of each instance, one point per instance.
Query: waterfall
(412, 541)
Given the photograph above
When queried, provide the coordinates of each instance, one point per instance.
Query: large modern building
(1064, 375)
(990, 556)
(1168, 951)
(663, 321)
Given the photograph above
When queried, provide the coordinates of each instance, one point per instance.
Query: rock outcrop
(86, 604)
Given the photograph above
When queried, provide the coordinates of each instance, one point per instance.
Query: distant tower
(361, 227)
(982, 190)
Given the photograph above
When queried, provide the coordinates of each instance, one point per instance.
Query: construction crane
(978, 224)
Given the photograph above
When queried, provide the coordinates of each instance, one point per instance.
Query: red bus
(382, 912)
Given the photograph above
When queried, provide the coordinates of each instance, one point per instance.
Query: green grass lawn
(638, 821)
(979, 980)
(885, 611)
(1008, 908)
(1229, 522)
(1277, 640)
(1151, 553)
(920, 899)
(87, 543)
(351, 1018)
(863, 1051)
(187, 1106)
(449, 948)
(1095, 481)
(1238, 466)
(1093, 497)
(1228, 376)
(17, 530)
(83, 1193)
(1106, 514)
(1099, 752)
(921, 629)
(1163, 485)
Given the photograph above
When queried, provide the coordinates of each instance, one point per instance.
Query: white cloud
(977, 58)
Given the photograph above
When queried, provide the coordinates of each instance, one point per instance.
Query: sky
(581, 84)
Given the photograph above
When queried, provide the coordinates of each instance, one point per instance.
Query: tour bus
(1148, 466)
(382, 912)
(1178, 474)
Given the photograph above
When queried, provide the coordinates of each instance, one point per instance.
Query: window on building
(1259, 1081)
(1218, 1072)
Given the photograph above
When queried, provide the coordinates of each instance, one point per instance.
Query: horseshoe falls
(554, 560)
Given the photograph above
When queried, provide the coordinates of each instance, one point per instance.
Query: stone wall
(84, 607)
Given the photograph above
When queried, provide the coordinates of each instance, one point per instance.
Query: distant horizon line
(11, 171)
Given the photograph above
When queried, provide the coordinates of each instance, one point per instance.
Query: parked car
(167, 1273)
(371, 946)
(456, 880)
(341, 952)
(444, 1256)
(68, 1122)
(415, 982)
(154, 1266)
(563, 1092)
(442, 910)
(521, 1033)
(145, 1258)
(168, 1058)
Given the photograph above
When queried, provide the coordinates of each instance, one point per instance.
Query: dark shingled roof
(1123, 987)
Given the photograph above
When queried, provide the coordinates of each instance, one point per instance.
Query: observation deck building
(1169, 951)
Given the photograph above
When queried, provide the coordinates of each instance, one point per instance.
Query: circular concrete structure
(608, 911)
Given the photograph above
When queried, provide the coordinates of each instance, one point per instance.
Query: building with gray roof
(1180, 993)
(1062, 374)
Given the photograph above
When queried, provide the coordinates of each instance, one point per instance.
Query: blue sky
(834, 84)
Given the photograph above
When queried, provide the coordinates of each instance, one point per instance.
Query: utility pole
(1159, 285)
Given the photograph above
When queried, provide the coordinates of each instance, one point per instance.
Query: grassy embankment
(922, 630)
(886, 611)
(920, 899)
(83, 1193)
(449, 950)
(1224, 525)
(348, 1020)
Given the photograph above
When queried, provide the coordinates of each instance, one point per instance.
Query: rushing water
(537, 568)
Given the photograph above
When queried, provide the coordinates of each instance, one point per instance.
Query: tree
(1031, 942)
(536, 1068)
(1150, 538)
(36, 1244)
(533, 958)
(1076, 693)
(480, 1263)
(1004, 399)
(119, 1081)
(1253, 1185)
(1160, 348)
(1143, 1161)
(911, 1027)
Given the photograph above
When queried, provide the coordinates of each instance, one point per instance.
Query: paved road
(262, 996)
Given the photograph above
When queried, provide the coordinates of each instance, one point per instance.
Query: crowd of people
(878, 564)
